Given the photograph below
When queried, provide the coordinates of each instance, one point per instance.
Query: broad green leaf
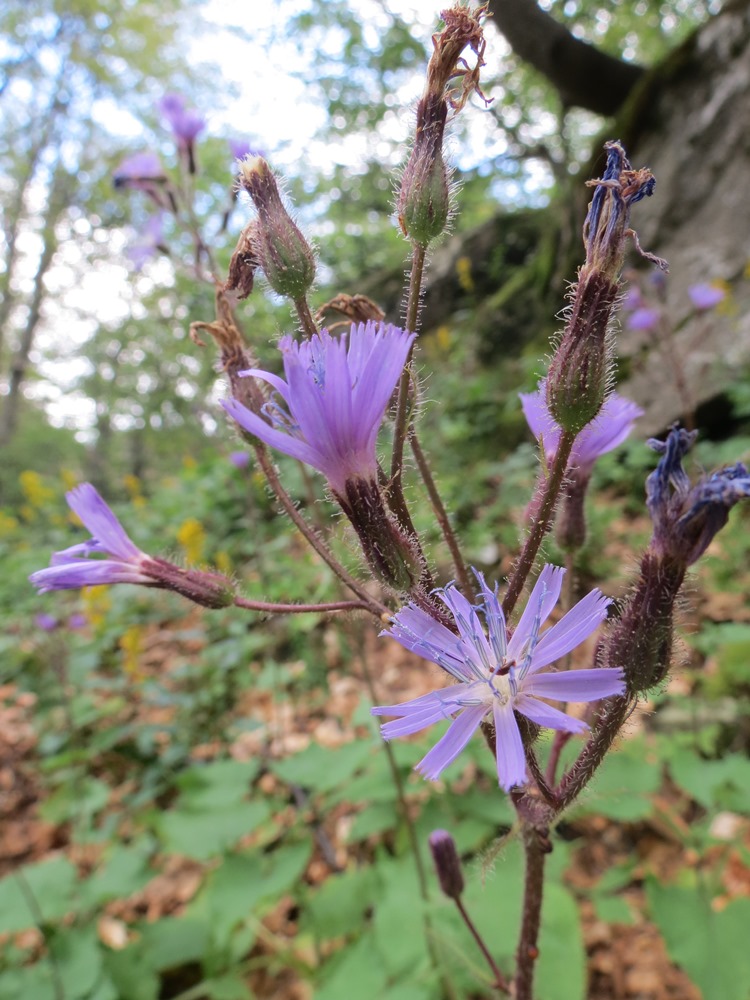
(339, 906)
(124, 872)
(622, 786)
(78, 959)
(51, 885)
(132, 973)
(711, 947)
(174, 941)
(221, 783)
(204, 834)
(321, 770)
(359, 967)
(713, 783)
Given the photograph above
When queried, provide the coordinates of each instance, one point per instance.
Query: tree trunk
(58, 201)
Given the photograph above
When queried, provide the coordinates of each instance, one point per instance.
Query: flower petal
(571, 630)
(450, 745)
(547, 716)
(543, 598)
(576, 685)
(86, 502)
(511, 760)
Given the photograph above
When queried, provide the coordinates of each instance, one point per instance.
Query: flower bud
(210, 590)
(580, 370)
(279, 247)
(424, 202)
(447, 863)
(393, 556)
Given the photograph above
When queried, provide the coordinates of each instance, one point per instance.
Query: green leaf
(320, 769)
(613, 910)
(78, 958)
(124, 872)
(51, 885)
(711, 947)
(373, 819)
(131, 972)
(714, 784)
(77, 798)
(230, 986)
(360, 964)
(623, 784)
(216, 785)
(204, 834)
(339, 906)
(174, 941)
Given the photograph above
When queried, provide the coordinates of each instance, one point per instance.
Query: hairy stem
(500, 981)
(305, 317)
(535, 850)
(441, 514)
(414, 295)
(298, 609)
(542, 523)
(269, 470)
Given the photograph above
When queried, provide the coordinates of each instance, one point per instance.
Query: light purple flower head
(498, 676)
(704, 296)
(185, 122)
(139, 171)
(124, 562)
(605, 432)
(77, 621)
(643, 318)
(333, 400)
(72, 568)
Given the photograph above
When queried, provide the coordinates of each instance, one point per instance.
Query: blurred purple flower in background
(240, 459)
(498, 676)
(643, 318)
(77, 621)
(185, 122)
(47, 623)
(704, 296)
(71, 568)
(240, 148)
(150, 241)
(605, 432)
(333, 401)
(141, 172)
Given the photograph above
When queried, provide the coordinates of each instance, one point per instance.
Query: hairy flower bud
(393, 555)
(447, 863)
(686, 517)
(580, 370)
(424, 201)
(283, 253)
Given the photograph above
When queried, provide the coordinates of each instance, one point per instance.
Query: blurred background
(195, 803)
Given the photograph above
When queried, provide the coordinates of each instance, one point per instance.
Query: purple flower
(498, 676)
(124, 562)
(605, 432)
(46, 622)
(333, 400)
(140, 172)
(77, 621)
(705, 296)
(72, 568)
(643, 318)
(632, 299)
(185, 122)
(686, 517)
(240, 459)
(240, 148)
(150, 241)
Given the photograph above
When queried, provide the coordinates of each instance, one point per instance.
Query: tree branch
(583, 76)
